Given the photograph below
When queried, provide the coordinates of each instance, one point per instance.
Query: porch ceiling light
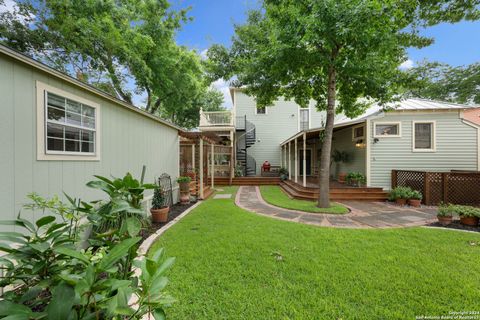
(359, 144)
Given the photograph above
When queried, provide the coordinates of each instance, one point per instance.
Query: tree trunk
(324, 181)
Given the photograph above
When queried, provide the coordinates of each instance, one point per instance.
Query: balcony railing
(216, 118)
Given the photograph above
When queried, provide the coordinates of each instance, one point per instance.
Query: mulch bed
(175, 211)
(455, 225)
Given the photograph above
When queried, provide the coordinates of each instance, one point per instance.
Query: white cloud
(203, 54)
(224, 88)
(408, 64)
(8, 6)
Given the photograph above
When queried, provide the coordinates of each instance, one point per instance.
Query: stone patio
(362, 215)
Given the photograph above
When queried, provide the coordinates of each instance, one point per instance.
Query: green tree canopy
(329, 51)
(443, 82)
(120, 46)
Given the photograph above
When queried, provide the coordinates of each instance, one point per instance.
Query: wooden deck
(338, 192)
(246, 181)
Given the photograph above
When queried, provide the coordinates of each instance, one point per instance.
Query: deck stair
(247, 181)
(297, 191)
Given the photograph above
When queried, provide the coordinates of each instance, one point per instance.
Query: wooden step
(366, 194)
(247, 181)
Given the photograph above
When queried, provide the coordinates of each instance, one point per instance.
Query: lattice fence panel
(463, 188)
(412, 179)
(435, 188)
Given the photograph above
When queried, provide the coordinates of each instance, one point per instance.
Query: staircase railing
(216, 118)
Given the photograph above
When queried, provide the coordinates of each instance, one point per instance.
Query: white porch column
(201, 168)
(304, 159)
(284, 152)
(296, 161)
(193, 157)
(289, 160)
(212, 160)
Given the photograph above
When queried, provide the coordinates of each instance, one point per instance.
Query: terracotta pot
(401, 202)
(444, 221)
(341, 177)
(414, 202)
(185, 197)
(469, 221)
(184, 186)
(160, 215)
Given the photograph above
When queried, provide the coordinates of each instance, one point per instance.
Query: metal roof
(412, 104)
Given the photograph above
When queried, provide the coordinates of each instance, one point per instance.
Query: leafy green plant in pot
(445, 214)
(400, 195)
(159, 210)
(469, 216)
(184, 183)
(356, 179)
(283, 173)
(415, 198)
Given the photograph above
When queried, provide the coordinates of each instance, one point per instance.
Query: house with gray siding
(413, 134)
(57, 132)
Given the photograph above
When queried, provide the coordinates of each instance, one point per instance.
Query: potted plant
(445, 214)
(159, 210)
(184, 183)
(415, 198)
(283, 174)
(356, 179)
(469, 216)
(339, 157)
(400, 195)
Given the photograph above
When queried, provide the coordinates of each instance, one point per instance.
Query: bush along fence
(457, 187)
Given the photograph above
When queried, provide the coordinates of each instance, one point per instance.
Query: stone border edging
(147, 243)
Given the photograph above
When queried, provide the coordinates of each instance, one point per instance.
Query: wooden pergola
(204, 146)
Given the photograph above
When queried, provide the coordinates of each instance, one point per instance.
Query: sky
(213, 22)
(455, 44)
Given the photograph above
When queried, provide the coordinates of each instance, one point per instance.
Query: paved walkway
(362, 215)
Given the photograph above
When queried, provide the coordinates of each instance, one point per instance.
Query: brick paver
(362, 215)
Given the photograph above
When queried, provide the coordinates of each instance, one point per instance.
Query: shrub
(283, 171)
(158, 200)
(356, 178)
(55, 279)
(123, 211)
(467, 211)
(416, 195)
(400, 193)
(446, 210)
(184, 179)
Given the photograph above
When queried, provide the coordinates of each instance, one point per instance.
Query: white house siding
(128, 141)
(342, 141)
(280, 123)
(456, 147)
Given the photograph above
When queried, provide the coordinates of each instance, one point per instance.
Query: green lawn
(275, 196)
(233, 264)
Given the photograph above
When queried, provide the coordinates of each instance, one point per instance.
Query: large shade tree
(342, 54)
(441, 81)
(120, 46)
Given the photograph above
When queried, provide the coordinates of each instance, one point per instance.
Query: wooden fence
(457, 187)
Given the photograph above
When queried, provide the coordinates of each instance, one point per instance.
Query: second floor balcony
(216, 119)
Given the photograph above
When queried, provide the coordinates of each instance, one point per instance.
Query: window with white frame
(304, 119)
(358, 132)
(387, 129)
(261, 110)
(423, 136)
(70, 126)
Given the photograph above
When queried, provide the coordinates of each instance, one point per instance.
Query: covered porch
(205, 157)
(300, 155)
